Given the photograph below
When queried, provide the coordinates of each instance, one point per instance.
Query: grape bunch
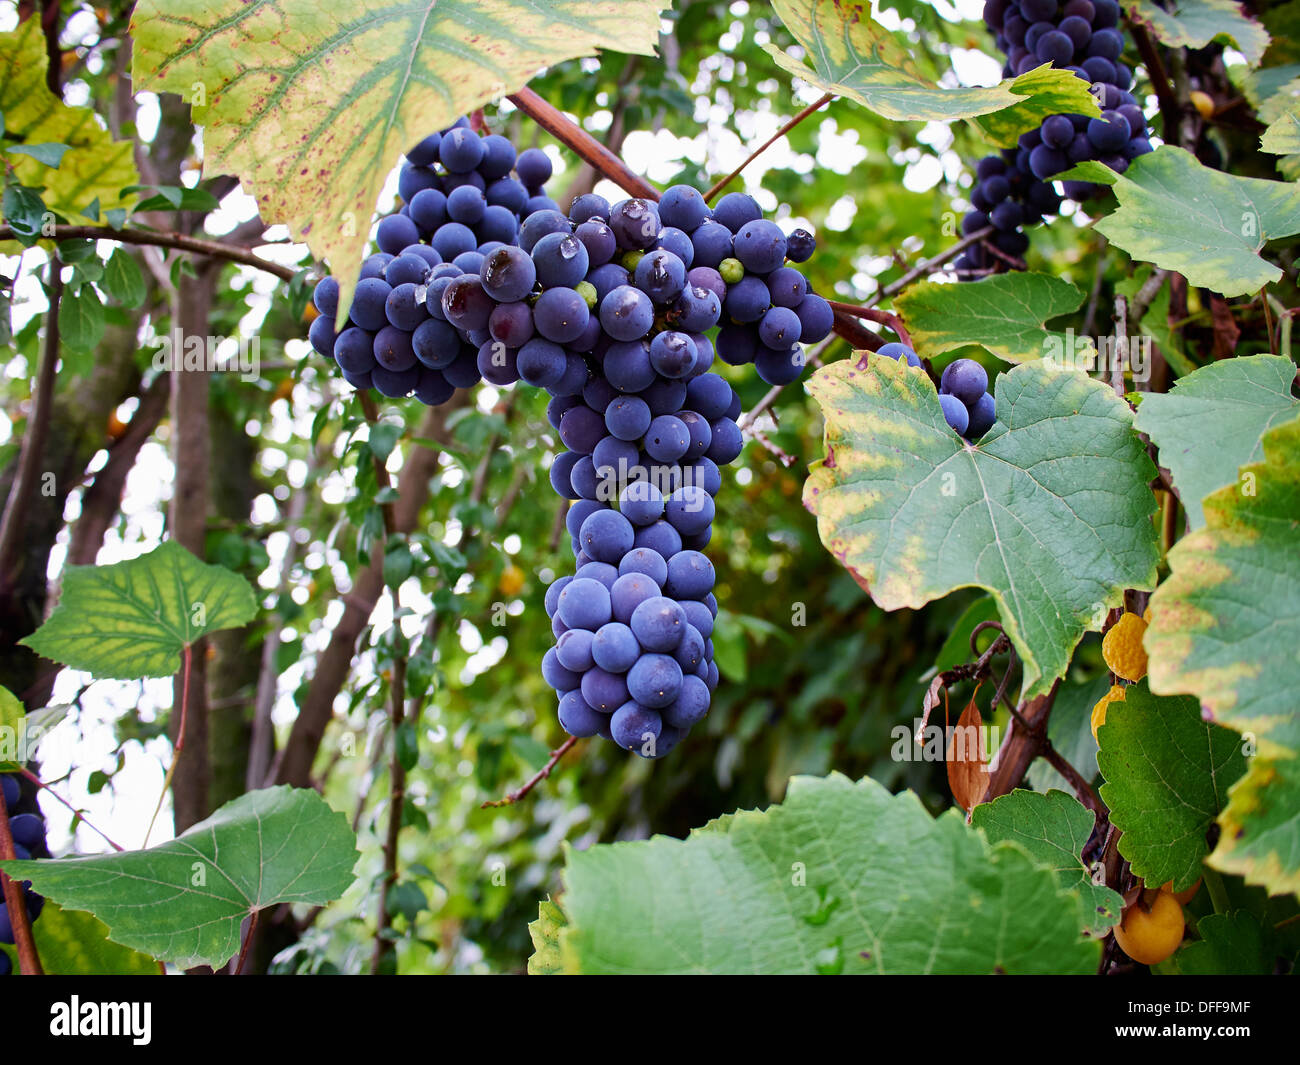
(609, 308)
(28, 829)
(406, 331)
(1014, 188)
(963, 392)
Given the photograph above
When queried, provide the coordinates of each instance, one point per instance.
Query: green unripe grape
(732, 270)
(587, 291)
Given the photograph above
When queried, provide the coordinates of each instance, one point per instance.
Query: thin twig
(167, 239)
(513, 797)
(1169, 110)
(76, 813)
(582, 143)
(396, 805)
(810, 109)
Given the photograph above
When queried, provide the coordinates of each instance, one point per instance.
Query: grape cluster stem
(29, 960)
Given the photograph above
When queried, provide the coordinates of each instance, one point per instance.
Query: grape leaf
(1195, 23)
(94, 167)
(1005, 314)
(1213, 421)
(545, 933)
(1049, 514)
(1230, 944)
(856, 57)
(131, 619)
(183, 901)
(840, 877)
(1283, 134)
(308, 104)
(1261, 826)
(73, 943)
(1053, 829)
(1167, 777)
(1225, 624)
(1184, 216)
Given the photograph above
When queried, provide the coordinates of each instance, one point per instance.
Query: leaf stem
(872, 314)
(810, 109)
(248, 942)
(1215, 886)
(80, 816)
(187, 656)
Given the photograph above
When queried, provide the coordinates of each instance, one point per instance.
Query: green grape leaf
(183, 901)
(1195, 23)
(1230, 944)
(1070, 730)
(132, 619)
(1283, 134)
(1260, 838)
(1225, 624)
(308, 104)
(1184, 216)
(73, 943)
(1053, 829)
(545, 932)
(838, 878)
(1214, 420)
(1167, 777)
(856, 57)
(94, 167)
(1049, 513)
(1005, 314)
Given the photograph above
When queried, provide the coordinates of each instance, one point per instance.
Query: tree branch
(13, 523)
(216, 249)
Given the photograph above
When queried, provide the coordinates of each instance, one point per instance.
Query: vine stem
(513, 797)
(29, 961)
(872, 314)
(396, 803)
(187, 654)
(587, 148)
(929, 266)
(810, 109)
(248, 942)
(161, 238)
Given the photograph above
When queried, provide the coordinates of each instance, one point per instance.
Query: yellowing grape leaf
(1050, 512)
(1225, 624)
(95, 167)
(856, 57)
(311, 104)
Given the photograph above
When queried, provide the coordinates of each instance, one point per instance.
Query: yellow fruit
(512, 581)
(116, 427)
(310, 313)
(1115, 695)
(284, 389)
(1146, 614)
(1122, 648)
(1150, 936)
(1203, 102)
